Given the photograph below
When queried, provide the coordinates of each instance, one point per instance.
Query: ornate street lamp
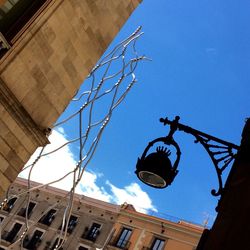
(156, 170)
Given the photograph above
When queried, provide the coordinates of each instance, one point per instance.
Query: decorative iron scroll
(221, 152)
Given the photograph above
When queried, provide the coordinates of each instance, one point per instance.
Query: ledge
(21, 116)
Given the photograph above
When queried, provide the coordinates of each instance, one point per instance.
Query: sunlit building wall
(93, 224)
(90, 225)
(145, 232)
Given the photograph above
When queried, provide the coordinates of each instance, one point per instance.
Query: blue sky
(200, 53)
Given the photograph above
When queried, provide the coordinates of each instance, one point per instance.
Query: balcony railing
(116, 242)
(9, 236)
(89, 235)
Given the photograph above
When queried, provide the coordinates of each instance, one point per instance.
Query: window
(123, 238)
(158, 244)
(71, 225)
(93, 232)
(11, 236)
(35, 240)
(15, 14)
(9, 205)
(22, 212)
(48, 218)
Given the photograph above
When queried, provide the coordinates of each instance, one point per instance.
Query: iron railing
(116, 242)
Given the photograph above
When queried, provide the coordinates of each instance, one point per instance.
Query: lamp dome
(156, 169)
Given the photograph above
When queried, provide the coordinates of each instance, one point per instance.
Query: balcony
(34, 242)
(23, 211)
(11, 236)
(71, 224)
(117, 243)
(88, 235)
(48, 218)
(92, 233)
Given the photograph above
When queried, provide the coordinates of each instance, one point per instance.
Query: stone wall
(48, 61)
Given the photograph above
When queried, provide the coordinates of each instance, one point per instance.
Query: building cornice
(109, 207)
(21, 116)
(178, 227)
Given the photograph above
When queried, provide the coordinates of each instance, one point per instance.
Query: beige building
(47, 48)
(93, 224)
(144, 232)
(89, 226)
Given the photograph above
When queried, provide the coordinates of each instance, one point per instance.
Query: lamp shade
(156, 169)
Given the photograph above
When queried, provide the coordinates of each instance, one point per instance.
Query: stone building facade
(153, 233)
(90, 224)
(93, 224)
(47, 48)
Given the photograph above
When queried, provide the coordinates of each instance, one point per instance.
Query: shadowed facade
(47, 50)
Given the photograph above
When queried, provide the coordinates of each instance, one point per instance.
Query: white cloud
(54, 166)
(132, 194)
(89, 187)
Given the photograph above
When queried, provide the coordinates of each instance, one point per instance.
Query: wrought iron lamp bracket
(221, 152)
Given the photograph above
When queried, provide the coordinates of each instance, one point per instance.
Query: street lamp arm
(176, 125)
(221, 152)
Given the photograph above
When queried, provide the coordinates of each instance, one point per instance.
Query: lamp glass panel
(152, 179)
